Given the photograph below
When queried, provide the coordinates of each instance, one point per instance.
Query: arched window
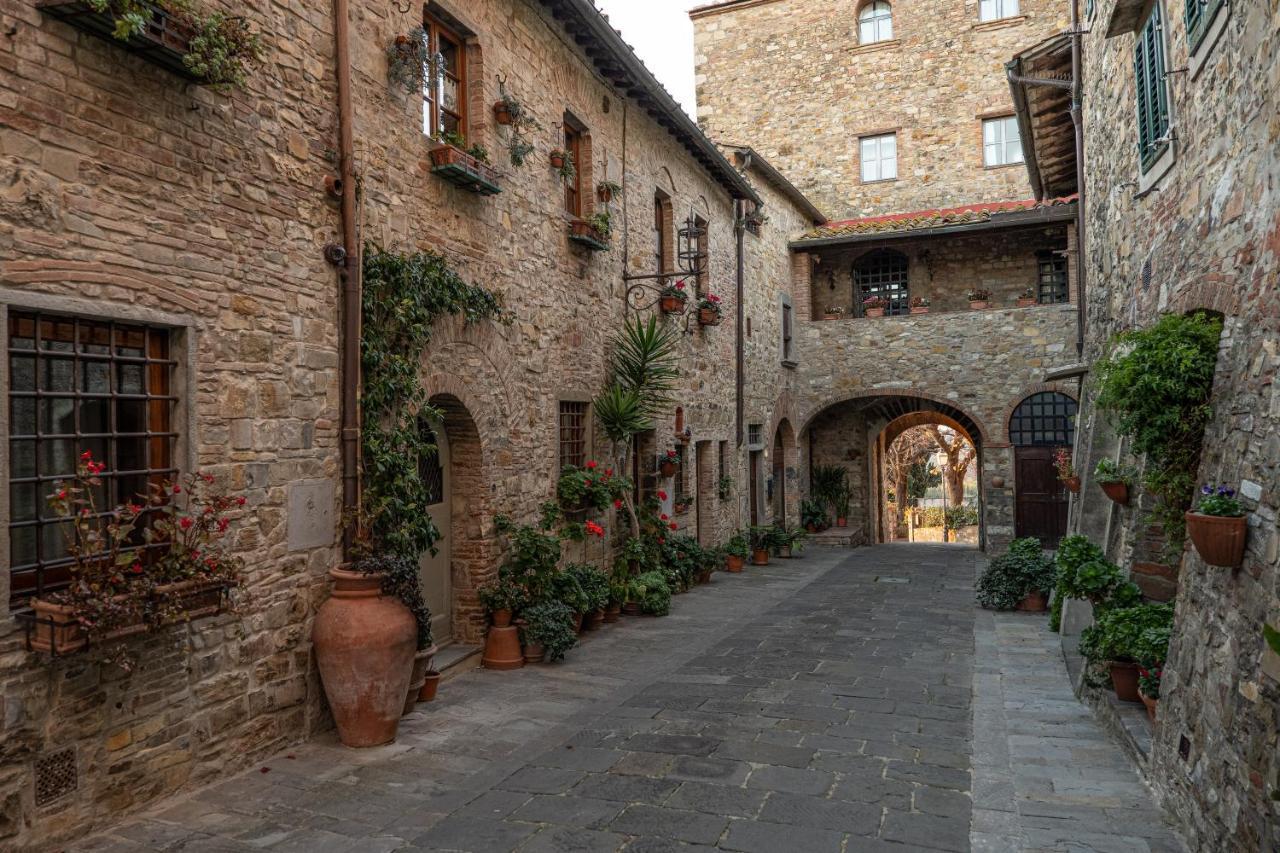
(882, 273)
(1045, 419)
(875, 23)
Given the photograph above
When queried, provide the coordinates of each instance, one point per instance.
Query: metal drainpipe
(350, 275)
(1077, 120)
(739, 231)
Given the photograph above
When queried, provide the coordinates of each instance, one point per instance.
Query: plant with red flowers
(672, 297)
(590, 487)
(709, 310)
(1149, 681)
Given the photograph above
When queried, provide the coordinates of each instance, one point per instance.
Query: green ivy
(1155, 385)
(404, 296)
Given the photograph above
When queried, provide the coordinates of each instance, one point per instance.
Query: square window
(1001, 141)
(573, 433)
(994, 10)
(879, 157)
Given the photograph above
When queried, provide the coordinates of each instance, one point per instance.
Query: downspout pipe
(1077, 121)
(739, 232)
(350, 277)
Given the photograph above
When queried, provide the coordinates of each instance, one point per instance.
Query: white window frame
(875, 22)
(997, 10)
(996, 142)
(883, 159)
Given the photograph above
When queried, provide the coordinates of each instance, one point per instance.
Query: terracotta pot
(501, 618)
(704, 576)
(501, 113)
(58, 632)
(1034, 602)
(842, 522)
(979, 304)
(557, 161)
(594, 620)
(1027, 301)
(831, 316)
(812, 528)
(920, 309)
(1117, 491)
(1124, 678)
(873, 312)
(1218, 539)
(604, 194)
(364, 645)
(421, 663)
(631, 608)
(708, 317)
(430, 686)
(612, 613)
(1151, 705)
(667, 468)
(1072, 484)
(733, 563)
(578, 619)
(502, 648)
(759, 556)
(671, 304)
(534, 653)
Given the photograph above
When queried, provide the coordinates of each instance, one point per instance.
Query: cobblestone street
(852, 701)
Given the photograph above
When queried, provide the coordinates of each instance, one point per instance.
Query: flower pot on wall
(364, 644)
(667, 468)
(1027, 301)
(920, 309)
(708, 317)
(502, 114)
(557, 161)
(1219, 539)
(1117, 491)
(671, 304)
(1072, 484)
(873, 312)
(979, 304)
(1124, 678)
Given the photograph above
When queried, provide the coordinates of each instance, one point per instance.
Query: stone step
(454, 659)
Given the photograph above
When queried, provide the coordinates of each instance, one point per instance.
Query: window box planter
(979, 304)
(162, 43)
(464, 171)
(920, 309)
(584, 234)
(1027, 302)
(1118, 491)
(1219, 539)
(873, 312)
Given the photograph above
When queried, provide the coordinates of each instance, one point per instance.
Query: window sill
(875, 46)
(1003, 166)
(790, 364)
(999, 23)
(1149, 180)
(879, 181)
(1199, 57)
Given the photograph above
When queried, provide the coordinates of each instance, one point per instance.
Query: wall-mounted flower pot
(760, 556)
(605, 194)
(364, 645)
(1151, 705)
(1117, 491)
(1034, 602)
(733, 563)
(920, 309)
(502, 113)
(1072, 484)
(873, 312)
(557, 161)
(671, 304)
(979, 304)
(667, 468)
(1219, 540)
(1027, 301)
(1124, 678)
(708, 317)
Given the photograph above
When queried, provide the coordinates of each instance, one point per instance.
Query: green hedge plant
(550, 625)
(1012, 576)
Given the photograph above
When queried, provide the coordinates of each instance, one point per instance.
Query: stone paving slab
(804, 706)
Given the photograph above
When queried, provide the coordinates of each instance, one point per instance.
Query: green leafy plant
(1138, 634)
(566, 170)
(1219, 501)
(502, 594)
(1107, 471)
(738, 545)
(724, 488)
(955, 517)
(1014, 575)
(550, 625)
(651, 591)
(609, 188)
(1272, 636)
(533, 555)
(813, 514)
(830, 485)
(763, 536)
(601, 223)
(523, 126)
(979, 294)
(590, 487)
(1155, 384)
(1149, 680)
(408, 61)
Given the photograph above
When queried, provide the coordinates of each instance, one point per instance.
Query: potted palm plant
(1218, 527)
(812, 515)
(763, 538)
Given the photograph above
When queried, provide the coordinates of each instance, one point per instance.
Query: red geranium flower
(591, 465)
(664, 516)
(662, 496)
(674, 526)
(185, 523)
(617, 504)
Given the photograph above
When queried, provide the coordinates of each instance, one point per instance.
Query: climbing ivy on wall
(1155, 385)
(403, 297)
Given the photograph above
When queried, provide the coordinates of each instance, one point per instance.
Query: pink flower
(680, 284)
(86, 456)
(662, 496)
(62, 493)
(136, 568)
(177, 489)
(671, 454)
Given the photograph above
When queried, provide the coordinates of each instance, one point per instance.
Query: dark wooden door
(1040, 499)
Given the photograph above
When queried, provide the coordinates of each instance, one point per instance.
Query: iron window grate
(573, 434)
(1045, 419)
(56, 776)
(1051, 286)
(883, 273)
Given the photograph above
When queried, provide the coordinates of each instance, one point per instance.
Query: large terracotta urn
(365, 643)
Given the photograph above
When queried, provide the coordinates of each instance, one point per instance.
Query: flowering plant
(1149, 681)
(1062, 462)
(675, 289)
(590, 487)
(979, 294)
(875, 302)
(1219, 501)
(837, 310)
(919, 302)
(1027, 293)
(710, 302)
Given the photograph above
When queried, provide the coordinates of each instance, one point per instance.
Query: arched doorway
(437, 582)
(1042, 422)
(781, 500)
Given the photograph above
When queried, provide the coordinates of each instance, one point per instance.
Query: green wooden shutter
(1152, 90)
(1199, 15)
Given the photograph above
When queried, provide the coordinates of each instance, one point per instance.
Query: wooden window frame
(573, 431)
(436, 31)
(1003, 122)
(573, 201)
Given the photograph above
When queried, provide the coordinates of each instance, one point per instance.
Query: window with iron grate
(573, 433)
(882, 273)
(1051, 281)
(1045, 419)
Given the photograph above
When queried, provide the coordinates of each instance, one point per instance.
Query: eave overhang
(1040, 84)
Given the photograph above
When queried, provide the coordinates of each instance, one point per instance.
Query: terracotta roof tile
(933, 218)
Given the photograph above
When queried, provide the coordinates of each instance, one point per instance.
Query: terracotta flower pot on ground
(1151, 705)
(733, 563)
(784, 552)
(842, 522)
(671, 304)
(1034, 602)
(812, 528)
(364, 643)
(873, 312)
(534, 653)
(594, 620)
(422, 660)
(1124, 678)
(1118, 491)
(1218, 539)
(631, 608)
(502, 113)
(612, 613)
(667, 468)
(704, 576)
(1072, 484)
(760, 556)
(430, 686)
(502, 648)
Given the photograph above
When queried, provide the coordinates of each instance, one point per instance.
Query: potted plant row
(1218, 527)
(466, 167)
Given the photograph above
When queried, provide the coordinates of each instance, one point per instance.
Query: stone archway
(954, 449)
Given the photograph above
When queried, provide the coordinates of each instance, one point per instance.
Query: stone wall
(1208, 236)
(789, 78)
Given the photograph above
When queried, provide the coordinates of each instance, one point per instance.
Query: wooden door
(755, 487)
(1039, 497)
(436, 570)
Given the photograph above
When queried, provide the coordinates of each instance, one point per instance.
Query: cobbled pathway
(820, 704)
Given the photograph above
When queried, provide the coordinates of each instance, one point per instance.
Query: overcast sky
(662, 35)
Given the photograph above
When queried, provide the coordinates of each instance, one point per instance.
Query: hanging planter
(1117, 490)
(502, 113)
(669, 464)
(607, 191)
(1218, 527)
(673, 298)
(709, 310)
(1066, 472)
(1115, 480)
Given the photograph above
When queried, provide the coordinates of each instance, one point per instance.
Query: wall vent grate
(56, 776)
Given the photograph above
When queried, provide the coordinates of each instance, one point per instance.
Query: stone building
(138, 205)
(1181, 216)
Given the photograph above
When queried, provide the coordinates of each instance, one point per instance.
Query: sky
(662, 35)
